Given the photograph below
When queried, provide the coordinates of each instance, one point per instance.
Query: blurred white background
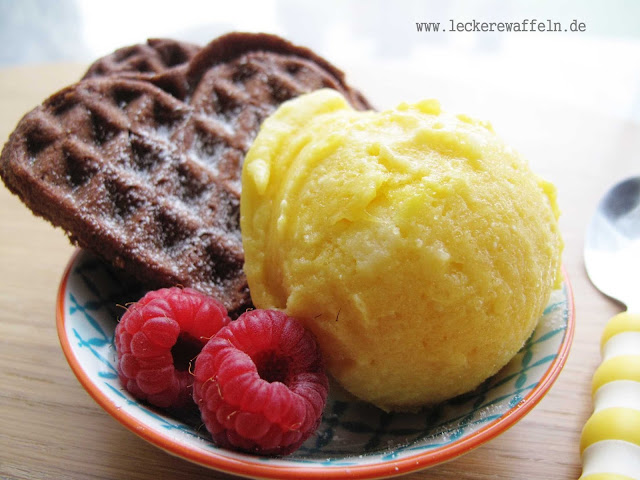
(598, 69)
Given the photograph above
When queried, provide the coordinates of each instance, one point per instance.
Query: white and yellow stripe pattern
(610, 442)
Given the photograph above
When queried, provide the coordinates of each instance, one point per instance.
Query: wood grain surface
(51, 429)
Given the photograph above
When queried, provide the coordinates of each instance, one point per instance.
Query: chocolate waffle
(147, 175)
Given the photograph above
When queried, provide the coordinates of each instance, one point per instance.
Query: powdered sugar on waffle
(143, 167)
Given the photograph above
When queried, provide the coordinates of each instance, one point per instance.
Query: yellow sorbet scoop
(417, 246)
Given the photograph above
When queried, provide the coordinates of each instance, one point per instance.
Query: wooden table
(51, 429)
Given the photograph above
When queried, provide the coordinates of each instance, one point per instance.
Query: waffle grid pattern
(144, 168)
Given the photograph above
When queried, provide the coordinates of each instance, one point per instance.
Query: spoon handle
(610, 441)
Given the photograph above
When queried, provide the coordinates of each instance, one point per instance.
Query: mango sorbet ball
(418, 247)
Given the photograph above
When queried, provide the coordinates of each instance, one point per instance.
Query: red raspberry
(157, 338)
(260, 384)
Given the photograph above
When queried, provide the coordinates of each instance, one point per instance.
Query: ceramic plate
(354, 440)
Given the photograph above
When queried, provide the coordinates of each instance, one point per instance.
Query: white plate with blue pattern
(354, 439)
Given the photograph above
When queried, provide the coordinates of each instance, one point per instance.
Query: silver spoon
(610, 441)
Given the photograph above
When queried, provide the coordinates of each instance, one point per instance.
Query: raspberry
(260, 384)
(157, 338)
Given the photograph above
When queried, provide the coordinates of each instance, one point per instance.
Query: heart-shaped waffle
(144, 169)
